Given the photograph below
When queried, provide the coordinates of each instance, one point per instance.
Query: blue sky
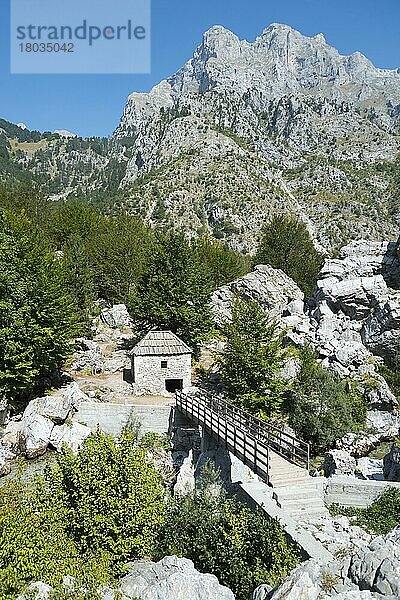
(92, 104)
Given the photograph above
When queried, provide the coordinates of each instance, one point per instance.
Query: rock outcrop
(272, 289)
(46, 422)
(345, 321)
(89, 358)
(370, 573)
(171, 578)
(116, 316)
(354, 295)
(377, 567)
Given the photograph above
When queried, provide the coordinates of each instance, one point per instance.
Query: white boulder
(37, 591)
(74, 394)
(116, 316)
(11, 439)
(71, 434)
(370, 468)
(171, 578)
(55, 408)
(385, 424)
(185, 481)
(35, 435)
(272, 289)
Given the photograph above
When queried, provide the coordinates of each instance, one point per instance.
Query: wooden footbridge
(256, 443)
(284, 488)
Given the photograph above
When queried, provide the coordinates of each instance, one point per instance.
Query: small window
(164, 364)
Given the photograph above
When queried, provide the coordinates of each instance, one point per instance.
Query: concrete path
(262, 495)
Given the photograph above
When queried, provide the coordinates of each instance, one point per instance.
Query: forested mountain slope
(242, 131)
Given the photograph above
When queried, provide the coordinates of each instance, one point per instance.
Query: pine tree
(252, 359)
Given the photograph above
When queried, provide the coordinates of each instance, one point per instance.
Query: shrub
(321, 407)
(380, 517)
(88, 515)
(34, 544)
(243, 548)
(113, 495)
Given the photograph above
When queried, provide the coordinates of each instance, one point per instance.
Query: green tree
(70, 219)
(223, 263)
(120, 252)
(286, 244)
(78, 275)
(175, 289)
(252, 359)
(321, 407)
(38, 317)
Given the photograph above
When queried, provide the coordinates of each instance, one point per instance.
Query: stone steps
(297, 493)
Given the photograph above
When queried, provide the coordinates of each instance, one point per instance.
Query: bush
(34, 544)
(380, 517)
(322, 408)
(243, 548)
(85, 518)
(286, 244)
(113, 495)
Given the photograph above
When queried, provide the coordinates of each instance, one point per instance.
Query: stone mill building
(161, 364)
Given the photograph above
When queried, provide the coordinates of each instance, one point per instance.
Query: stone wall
(112, 418)
(150, 377)
(348, 491)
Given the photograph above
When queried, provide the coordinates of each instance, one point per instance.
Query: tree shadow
(390, 269)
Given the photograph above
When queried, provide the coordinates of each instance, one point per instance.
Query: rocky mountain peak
(281, 61)
(216, 36)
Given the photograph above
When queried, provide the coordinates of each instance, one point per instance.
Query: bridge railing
(246, 436)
